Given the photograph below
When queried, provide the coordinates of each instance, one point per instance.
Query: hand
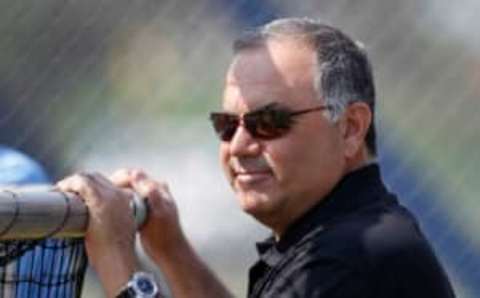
(110, 233)
(162, 231)
(163, 240)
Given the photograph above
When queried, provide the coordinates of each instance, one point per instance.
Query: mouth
(250, 173)
(248, 178)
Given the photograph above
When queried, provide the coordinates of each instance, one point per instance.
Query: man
(298, 147)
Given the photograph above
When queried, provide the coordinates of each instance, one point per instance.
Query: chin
(256, 204)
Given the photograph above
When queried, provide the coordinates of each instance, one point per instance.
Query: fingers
(94, 188)
(110, 233)
(125, 177)
(137, 180)
(148, 188)
(162, 208)
(107, 203)
(109, 211)
(161, 231)
(155, 192)
(80, 184)
(87, 185)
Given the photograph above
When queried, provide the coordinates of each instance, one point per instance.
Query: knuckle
(119, 176)
(78, 179)
(122, 171)
(85, 181)
(162, 184)
(137, 174)
(151, 190)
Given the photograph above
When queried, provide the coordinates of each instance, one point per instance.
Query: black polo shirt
(358, 242)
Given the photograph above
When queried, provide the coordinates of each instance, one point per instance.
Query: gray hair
(343, 73)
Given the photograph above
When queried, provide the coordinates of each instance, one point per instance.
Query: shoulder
(378, 237)
(387, 250)
(17, 168)
(373, 236)
(368, 254)
(374, 231)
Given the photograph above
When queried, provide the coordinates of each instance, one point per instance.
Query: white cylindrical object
(35, 214)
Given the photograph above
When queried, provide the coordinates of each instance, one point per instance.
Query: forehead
(281, 71)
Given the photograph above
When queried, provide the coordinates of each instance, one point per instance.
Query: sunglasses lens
(225, 125)
(265, 124)
(268, 124)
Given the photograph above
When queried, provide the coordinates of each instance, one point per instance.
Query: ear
(356, 122)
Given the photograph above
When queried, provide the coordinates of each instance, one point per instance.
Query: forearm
(114, 270)
(164, 241)
(187, 275)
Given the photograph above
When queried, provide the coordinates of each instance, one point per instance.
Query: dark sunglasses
(266, 123)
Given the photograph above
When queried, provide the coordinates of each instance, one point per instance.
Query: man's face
(277, 180)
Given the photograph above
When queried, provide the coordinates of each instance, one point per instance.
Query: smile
(252, 177)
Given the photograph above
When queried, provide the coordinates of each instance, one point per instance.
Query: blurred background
(98, 85)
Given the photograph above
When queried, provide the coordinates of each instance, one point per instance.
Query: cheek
(283, 157)
(224, 157)
(303, 159)
(323, 160)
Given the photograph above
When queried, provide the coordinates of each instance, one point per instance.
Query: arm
(185, 272)
(163, 239)
(110, 235)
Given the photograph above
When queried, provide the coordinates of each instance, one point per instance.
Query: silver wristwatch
(141, 285)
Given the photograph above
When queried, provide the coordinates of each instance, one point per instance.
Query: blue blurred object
(18, 169)
(53, 267)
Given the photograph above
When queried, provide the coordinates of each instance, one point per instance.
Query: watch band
(126, 292)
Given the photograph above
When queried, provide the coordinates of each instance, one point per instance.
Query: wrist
(166, 250)
(114, 269)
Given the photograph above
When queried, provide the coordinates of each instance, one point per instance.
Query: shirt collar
(365, 183)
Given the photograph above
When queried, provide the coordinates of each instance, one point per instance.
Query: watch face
(145, 286)
(141, 285)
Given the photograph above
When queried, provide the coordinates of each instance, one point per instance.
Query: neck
(281, 225)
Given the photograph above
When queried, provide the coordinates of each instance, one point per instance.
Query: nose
(243, 144)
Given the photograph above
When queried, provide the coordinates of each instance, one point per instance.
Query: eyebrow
(264, 107)
(271, 105)
(267, 106)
